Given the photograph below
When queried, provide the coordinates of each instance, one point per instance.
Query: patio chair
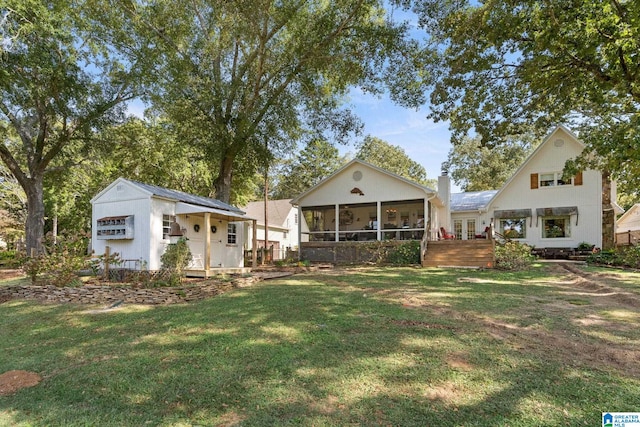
(444, 234)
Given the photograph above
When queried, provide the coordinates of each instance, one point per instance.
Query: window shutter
(534, 181)
(577, 180)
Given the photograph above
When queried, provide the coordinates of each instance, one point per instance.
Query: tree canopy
(505, 66)
(476, 167)
(393, 159)
(246, 78)
(59, 82)
(315, 162)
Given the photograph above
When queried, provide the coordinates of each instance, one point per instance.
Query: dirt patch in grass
(12, 381)
(586, 339)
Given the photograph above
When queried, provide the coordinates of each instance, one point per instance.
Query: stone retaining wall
(107, 294)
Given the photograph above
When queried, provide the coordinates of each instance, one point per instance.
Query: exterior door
(464, 229)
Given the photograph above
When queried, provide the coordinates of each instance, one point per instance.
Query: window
(232, 233)
(554, 179)
(166, 225)
(556, 227)
(513, 228)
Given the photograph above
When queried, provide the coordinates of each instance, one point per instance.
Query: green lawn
(371, 346)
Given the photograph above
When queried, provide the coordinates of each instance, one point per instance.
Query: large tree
(393, 159)
(245, 78)
(58, 82)
(477, 167)
(508, 65)
(317, 160)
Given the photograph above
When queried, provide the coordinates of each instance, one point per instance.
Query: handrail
(423, 246)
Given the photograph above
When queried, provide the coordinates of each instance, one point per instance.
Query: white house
(538, 205)
(628, 226)
(361, 202)
(134, 219)
(283, 226)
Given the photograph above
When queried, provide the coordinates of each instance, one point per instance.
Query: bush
(406, 253)
(627, 256)
(9, 259)
(513, 256)
(60, 261)
(175, 260)
(630, 256)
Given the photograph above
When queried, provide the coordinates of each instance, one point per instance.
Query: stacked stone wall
(112, 294)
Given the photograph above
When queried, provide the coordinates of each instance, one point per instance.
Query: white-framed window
(554, 227)
(166, 225)
(232, 233)
(513, 228)
(554, 179)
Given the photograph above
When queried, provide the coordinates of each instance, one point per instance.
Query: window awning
(560, 211)
(568, 210)
(512, 213)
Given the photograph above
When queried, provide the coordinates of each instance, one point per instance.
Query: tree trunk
(608, 214)
(34, 227)
(222, 184)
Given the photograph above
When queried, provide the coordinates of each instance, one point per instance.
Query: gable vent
(558, 142)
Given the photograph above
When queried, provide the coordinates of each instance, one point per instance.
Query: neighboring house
(283, 226)
(537, 205)
(628, 226)
(135, 220)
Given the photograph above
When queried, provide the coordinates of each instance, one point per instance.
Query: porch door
(464, 229)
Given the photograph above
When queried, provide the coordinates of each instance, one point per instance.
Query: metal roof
(471, 201)
(185, 197)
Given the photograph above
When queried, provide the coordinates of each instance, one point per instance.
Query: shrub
(175, 260)
(513, 256)
(9, 259)
(60, 261)
(630, 256)
(406, 253)
(606, 257)
(584, 246)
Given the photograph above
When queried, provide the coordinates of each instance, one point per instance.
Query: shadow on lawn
(311, 350)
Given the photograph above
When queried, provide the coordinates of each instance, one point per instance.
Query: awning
(512, 213)
(560, 211)
(187, 208)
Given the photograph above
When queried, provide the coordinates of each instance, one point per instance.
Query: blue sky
(424, 141)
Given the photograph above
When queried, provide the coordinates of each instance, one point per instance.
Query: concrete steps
(460, 253)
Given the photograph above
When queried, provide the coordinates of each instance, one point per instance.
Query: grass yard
(370, 346)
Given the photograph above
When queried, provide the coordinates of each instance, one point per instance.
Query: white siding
(517, 194)
(630, 221)
(375, 185)
(158, 245)
(117, 200)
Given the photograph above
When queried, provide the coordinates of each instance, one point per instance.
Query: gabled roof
(278, 211)
(535, 152)
(296, 200)
(471, 201)
(174, 195)
(633, 209)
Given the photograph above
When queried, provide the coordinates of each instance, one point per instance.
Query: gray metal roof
(471, 201)
(186, 197)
